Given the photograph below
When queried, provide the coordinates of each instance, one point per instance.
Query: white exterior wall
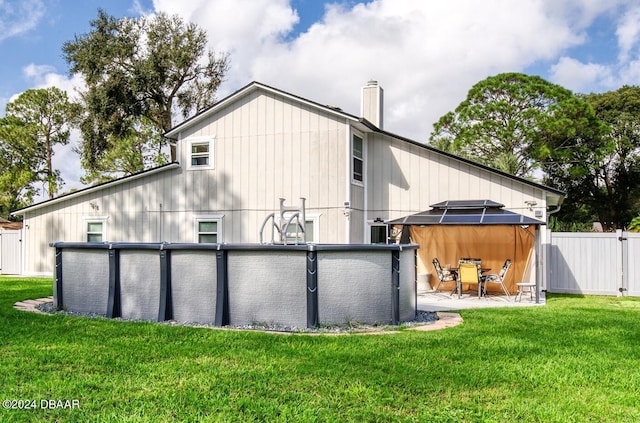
(404, 178)
(268, 147)
(264, 147)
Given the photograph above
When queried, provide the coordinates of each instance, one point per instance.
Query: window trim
(211, 153)
(314, 218)
(95, 219)
(355, 181)
(207, 218)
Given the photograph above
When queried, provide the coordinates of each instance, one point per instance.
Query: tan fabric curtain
(493, 244)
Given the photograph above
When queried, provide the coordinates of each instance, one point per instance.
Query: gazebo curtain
(491, 243)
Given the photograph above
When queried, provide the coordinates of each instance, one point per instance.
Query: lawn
(575, 359)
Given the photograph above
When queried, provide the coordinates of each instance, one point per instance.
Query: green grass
(574, 360)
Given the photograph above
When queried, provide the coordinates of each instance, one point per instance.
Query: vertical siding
(585, 263)
(632, 269)
(266, 146)
(272, 148)
(404, 178)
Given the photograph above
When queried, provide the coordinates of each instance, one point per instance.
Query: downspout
(547, 275)
(348, 184)
(550, 212)
(537, 263)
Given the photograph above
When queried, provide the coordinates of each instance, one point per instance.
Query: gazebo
(481, 229)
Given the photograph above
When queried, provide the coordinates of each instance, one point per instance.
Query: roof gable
(247, 89)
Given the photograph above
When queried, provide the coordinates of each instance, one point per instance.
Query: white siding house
(237, 158)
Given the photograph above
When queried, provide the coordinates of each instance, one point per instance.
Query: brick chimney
(371, 107)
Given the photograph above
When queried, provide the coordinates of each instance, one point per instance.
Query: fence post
(312, 288)
(59, 299)
(624, 262)
(113, 303)
(165, 311)
(395, 286)
(222, 300)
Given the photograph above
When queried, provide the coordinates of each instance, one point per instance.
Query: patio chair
(499, 278)
(443, 275)
(469, 274)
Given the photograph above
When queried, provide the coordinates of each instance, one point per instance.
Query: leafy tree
(634, 226)
(17, 176)
(139, 72)
(612, 188)
(509, 120)
(41, 119)
(528, 127)
(140, 149)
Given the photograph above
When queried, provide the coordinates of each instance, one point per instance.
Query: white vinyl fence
(594, 263)
(10, 252)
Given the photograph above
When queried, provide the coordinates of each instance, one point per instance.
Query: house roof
(554, 197)
(97, 187)
(474, 212)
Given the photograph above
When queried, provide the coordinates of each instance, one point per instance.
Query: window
(358, 161)
(310, 228)
(95, 230)
(201, 154)
(378, 234)
(208, 229)
(292, 234)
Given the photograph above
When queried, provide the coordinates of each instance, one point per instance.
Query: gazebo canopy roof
(466, 212)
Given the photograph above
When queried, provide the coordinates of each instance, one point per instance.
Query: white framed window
(357, 159)
(208, 229)
(378, 233)
(201, 154)
(95, 229)
(311, 229)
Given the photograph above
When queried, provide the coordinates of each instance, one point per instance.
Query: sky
(426, 54)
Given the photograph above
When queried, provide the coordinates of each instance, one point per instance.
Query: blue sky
(425, 54)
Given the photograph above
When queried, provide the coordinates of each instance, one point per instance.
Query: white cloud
(582, 77)
(19, 16)
(425, 54)
(628, 33)
(43, 76)
(630, 74)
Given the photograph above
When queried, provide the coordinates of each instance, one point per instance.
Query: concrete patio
(442, 301)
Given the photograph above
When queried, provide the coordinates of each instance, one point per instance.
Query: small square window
(200, 154)
(95, 231)
(207, 231)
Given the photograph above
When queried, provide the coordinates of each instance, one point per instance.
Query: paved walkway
(442, 301)
(30, 305)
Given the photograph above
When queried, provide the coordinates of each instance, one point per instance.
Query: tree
(507, 122)
(139, 72)
(634, 226)
(41, 119)
(17, 176)
(611, 188)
